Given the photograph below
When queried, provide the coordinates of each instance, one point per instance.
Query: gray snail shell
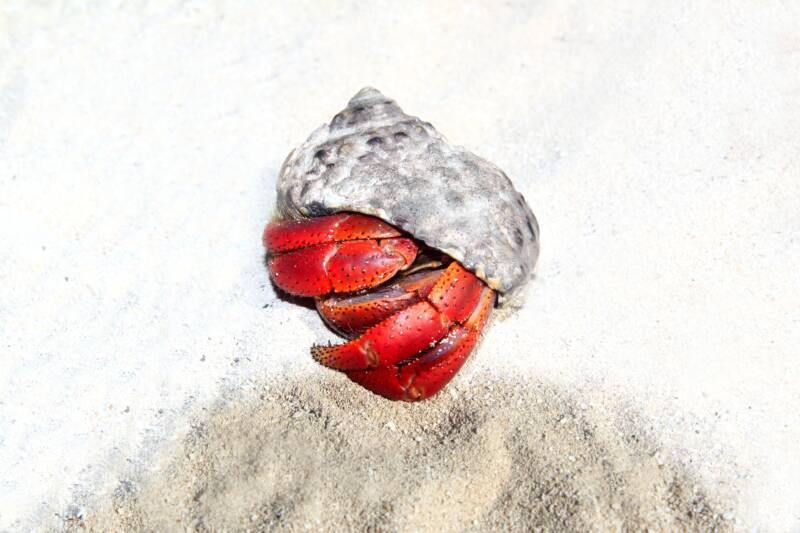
(374, 159)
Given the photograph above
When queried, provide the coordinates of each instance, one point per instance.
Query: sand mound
(322, 454)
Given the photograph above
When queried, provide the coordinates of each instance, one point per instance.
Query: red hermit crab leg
(352, 315)
(427, 374)
(344, 252)
(411, 330)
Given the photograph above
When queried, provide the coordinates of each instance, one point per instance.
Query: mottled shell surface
(374, 159)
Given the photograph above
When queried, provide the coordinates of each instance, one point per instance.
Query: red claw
(303, 271)
(344, 252)
(290, 235)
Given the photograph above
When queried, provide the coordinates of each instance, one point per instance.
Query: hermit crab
(405, 242)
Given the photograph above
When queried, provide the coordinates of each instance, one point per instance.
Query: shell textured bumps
(374, 159)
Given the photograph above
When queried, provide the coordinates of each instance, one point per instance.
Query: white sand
(150, 378)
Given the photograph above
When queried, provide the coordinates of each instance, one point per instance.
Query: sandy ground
(150, 378)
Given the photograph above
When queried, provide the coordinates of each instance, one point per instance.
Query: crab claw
(289, 235)
(344, 252)
(415, 352)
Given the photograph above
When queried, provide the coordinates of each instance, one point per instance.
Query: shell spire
(368, 105)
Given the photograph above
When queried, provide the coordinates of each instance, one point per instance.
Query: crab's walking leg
(399, 337)
(353, 314)
(426, 375)
(408, 332)
(339, 253)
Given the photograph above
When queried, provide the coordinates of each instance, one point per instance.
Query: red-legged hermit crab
(405, 242)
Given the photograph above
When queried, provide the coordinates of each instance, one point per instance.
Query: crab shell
(374, 159)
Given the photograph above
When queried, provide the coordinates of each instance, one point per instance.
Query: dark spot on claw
(320, 154)
(400, 136)
(374, 141)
